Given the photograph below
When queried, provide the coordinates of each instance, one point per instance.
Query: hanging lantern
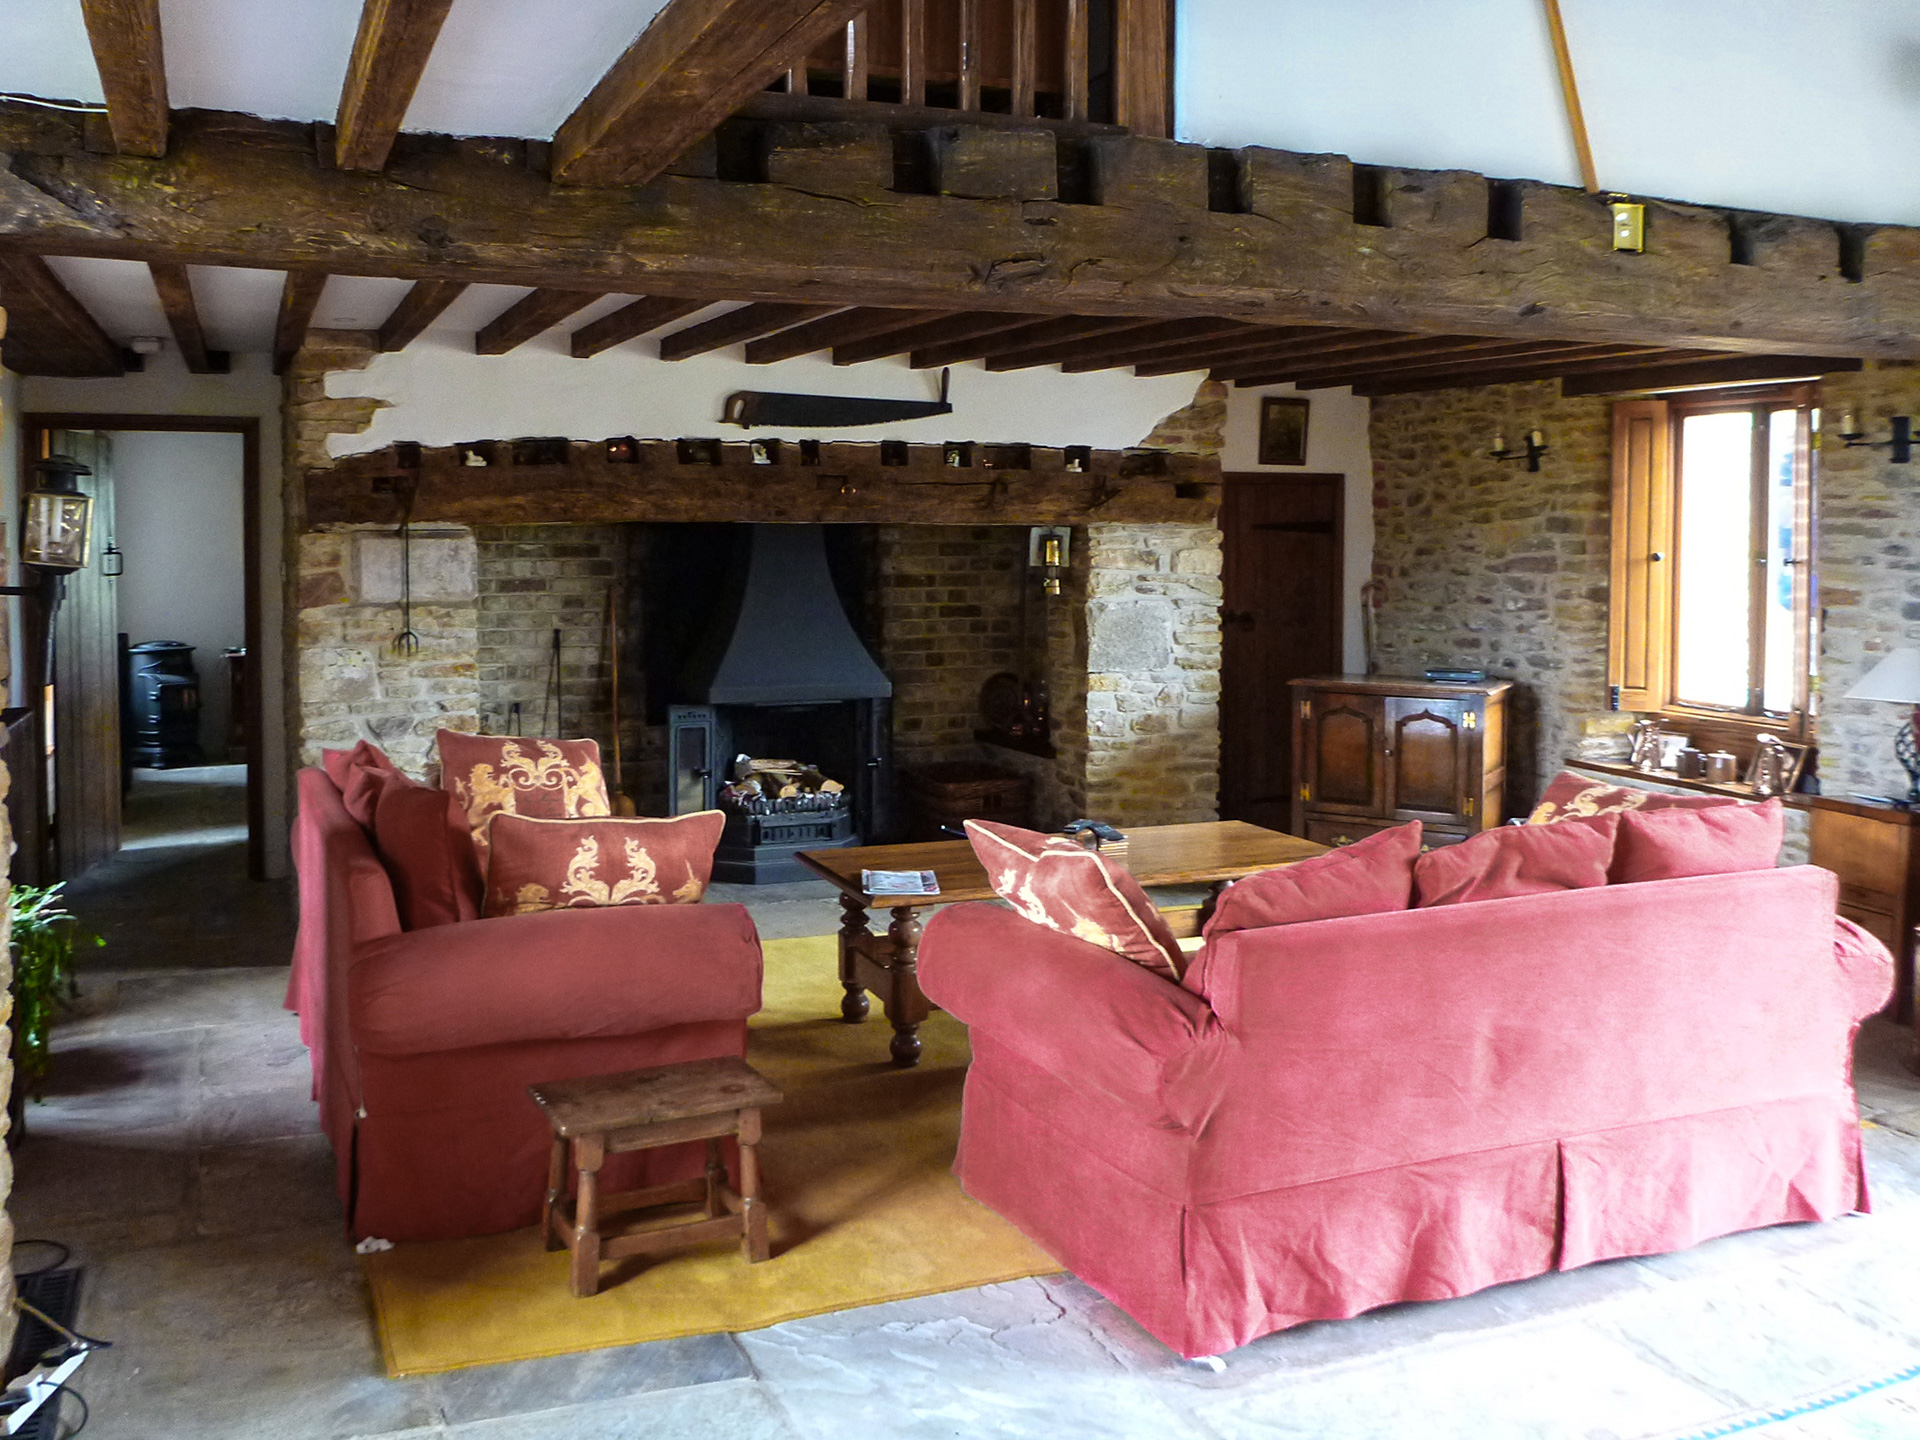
(58, 533)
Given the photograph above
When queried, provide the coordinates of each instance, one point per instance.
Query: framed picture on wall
(1283, 430)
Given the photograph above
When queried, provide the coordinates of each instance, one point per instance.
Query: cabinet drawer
(1876, 923)
(1864, 897)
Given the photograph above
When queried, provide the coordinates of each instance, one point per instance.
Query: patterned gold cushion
(490, 775)
(563, 864)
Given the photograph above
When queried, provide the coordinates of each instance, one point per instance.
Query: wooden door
(1428, 759)
(86, 683)
(1280, 620)
(1344, 749)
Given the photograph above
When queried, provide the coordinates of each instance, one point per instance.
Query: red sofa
(423, 1042)
(1332, 1116)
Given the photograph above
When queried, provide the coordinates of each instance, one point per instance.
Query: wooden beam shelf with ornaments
(599, 482)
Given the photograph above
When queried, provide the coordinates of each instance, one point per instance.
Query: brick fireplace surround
(1130, 650)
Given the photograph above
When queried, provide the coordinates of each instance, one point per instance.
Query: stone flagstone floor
(177, 1153)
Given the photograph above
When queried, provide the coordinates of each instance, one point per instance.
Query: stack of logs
(779, 787)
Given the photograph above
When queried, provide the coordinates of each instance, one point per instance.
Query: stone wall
(1487, 564)
(1868, 564)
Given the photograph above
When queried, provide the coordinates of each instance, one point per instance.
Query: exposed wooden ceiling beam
(418, 308)
(695, 64)
(1055, 352)
(1104, 354)
(298, 297)
(1064, 327)
(1497, 357)
(649, 312)
(48, 332)
(1321, 340)
(1412, 349)
(958, 326)
(239, 191)
(175, 289)
(389, 56)
(125, 36)
(530, 315)
(749, 322)
(842, 329)
(1199, 354)
(1722, 370)
(1521, 371)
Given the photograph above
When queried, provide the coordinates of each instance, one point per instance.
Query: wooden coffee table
(1209, 852)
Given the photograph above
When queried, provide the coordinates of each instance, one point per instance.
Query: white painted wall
(178, 515)
(1336, 445)
(439, 392)
(165, 388)
(1807, 107)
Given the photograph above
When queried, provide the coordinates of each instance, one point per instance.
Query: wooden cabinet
(1872, 847)
(1372, 753)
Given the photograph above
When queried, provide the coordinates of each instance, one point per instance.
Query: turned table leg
(853, 934)
(905, 986)
(556, 1187)
(589, 1151)
(753, 1213)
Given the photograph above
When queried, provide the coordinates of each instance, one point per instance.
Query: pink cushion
(339, 764)
(1365, 878)
(1517, 860)
(505, 774)
(1572, 796)
(422, 839)
(1722, 840)
(1064, 886)
(566, 864)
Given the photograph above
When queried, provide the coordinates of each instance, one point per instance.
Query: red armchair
(423, 1042)
(1410, 1106)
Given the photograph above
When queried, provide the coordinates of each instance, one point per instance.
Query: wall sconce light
(1899, 443)
(1530, 450)
(58, 532)
(1049, 548)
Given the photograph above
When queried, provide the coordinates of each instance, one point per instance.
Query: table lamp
(1897, 679)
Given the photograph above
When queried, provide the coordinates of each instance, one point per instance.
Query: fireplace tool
(407, 642)
(622, 802)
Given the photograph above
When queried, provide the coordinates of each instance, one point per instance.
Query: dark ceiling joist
(1200, 354)
(749, 322)
(48, 332)
(1111, 352)
(390, 53)
(1320, 340)
(962, 326)
(238, 191)
(298, 298)
(1726, 370)
(695, 64)
(842, 329)
(125, 36)
(532, 314)
(1054, 352)
(629, 322)
(1599, 358)
(423, 304)
(1408, 349)
(1044, 332)
(1546, 357)
(175, 289)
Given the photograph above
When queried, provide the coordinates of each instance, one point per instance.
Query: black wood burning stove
(781, 674)
(165, 705)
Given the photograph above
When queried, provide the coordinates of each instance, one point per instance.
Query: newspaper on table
(899, 882)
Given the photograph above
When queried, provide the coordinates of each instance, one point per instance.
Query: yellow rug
(864, 1209)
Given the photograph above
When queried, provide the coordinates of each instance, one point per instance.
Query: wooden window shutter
(1640, 622)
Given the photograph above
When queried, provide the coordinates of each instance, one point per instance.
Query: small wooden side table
(604, 1115)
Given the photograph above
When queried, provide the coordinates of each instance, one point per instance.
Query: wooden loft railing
(1049, 61)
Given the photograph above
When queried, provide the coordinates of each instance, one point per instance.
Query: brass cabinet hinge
(1469, 805)
(1306, 709)
(1306, 792)
(1472, 722)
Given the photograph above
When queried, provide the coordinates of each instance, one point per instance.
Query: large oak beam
(694, 65)
(125, 36)
(237, 191)
(48, 332)
(175, 289)
(390, 54)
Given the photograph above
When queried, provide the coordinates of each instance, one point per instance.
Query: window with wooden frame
(1711, 586)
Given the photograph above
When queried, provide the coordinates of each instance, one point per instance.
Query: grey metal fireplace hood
(783, 638)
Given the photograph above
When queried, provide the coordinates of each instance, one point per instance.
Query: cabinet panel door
(1429, 759)
(1342, 750)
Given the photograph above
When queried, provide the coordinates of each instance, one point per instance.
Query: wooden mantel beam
(125, 36)
(239, 191)
(695, 64)
(389, 56)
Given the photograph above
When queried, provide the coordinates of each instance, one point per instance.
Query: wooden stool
(604, 1115)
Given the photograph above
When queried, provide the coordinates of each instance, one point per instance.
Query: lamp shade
(1895, 678)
